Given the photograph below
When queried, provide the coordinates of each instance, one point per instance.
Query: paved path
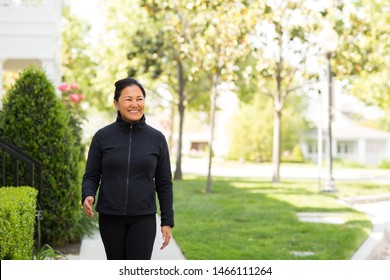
(377, 245)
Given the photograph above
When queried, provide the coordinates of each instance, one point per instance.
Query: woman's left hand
(166, 235)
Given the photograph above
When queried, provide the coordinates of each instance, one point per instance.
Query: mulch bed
(70, 249)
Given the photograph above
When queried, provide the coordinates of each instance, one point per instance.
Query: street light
(329, 45)
(319, 140)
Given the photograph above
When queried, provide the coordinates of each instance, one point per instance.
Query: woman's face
(131, 104)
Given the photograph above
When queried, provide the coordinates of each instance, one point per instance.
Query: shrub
(385, 164)
(297, 154)
(35, 120)
(72, 97)
(17, 220)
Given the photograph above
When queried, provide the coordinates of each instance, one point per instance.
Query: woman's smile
(131, 104)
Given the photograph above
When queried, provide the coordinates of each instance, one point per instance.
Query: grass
(248, 219)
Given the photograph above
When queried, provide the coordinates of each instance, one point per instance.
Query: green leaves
(17, 220)
(364, 52)
(37, 122)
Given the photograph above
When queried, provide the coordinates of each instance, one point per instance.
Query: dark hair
(122, 83)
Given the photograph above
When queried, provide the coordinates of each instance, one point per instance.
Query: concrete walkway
(92, 248)
(377, 245)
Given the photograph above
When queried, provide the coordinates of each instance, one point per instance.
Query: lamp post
(319, 140)
(330, 41)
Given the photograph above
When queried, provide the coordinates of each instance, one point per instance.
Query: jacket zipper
(128, 169)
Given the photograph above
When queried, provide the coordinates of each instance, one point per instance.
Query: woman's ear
(116, 104)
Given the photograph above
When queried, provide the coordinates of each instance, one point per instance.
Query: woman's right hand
(87, 205)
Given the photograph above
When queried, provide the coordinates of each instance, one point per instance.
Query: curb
(376, 246)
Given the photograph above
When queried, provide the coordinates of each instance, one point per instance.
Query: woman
(130, 162)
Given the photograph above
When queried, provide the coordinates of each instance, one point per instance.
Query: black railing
(33, 174)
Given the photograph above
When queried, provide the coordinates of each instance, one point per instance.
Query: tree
(77, 64)
(217, 48)
(282, 42)
(364, 49)
(109, 50)
(159, 50)
(194, 36)
(35, 120)
(251, 128)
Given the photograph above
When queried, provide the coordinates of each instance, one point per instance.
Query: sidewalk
(377, 245)
(92, 249)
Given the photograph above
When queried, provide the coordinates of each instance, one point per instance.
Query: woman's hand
(166, 235)
(87, 205)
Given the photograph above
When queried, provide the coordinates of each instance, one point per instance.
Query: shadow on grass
(249, 219)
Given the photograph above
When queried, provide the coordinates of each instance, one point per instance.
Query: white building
(350, 141)
(30, 34)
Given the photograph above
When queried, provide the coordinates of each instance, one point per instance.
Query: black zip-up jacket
(129, 163)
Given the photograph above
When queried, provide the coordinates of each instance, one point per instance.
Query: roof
(357, 131)
(345, 128)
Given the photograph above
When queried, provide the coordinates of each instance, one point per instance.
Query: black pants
(128, 237)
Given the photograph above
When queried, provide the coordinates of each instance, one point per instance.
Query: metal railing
(33, 174)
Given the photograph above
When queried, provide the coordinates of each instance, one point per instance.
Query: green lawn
(251, 219)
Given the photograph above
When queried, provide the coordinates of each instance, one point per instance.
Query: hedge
(17, 222)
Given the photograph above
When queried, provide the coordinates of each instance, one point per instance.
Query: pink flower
(63, 87)
(76, 97)
(74, 86)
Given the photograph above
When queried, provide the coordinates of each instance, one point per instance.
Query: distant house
(350, 141)
(30, 34)
(197, 136)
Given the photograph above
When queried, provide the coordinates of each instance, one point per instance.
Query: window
(199, 146)
(346, 147)
(376, 146)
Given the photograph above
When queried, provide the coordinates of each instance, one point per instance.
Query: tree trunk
(213, 105)
(178, 173)
(172, 127)
(276, 146)
(278, 106)
(181, 108)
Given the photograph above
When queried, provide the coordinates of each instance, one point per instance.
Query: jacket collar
(126, 125)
